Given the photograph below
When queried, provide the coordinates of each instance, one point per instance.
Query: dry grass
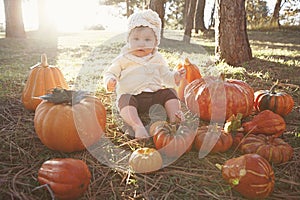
(189, 177)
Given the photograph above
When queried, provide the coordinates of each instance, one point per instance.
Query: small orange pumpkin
(250, 174)
(265, 122)
(68, 178)
(205, 134)
(278, 102)
(171, 139)
(145, 160)
(42, 78)
(68, 121)
(274, 150)
(192, 73)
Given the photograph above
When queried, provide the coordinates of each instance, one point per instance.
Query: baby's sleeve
(167, 75)
(113, 71)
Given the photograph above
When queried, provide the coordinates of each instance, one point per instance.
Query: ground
(82, 57)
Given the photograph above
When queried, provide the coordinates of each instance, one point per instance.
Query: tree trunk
(159, 7)
(14, 19)
(232, 44)
(212, 17)
(189, 21)
(275, 16)
(199, 16)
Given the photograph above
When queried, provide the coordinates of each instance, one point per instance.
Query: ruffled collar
(125, 52)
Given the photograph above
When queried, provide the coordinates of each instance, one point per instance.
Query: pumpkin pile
(69, 121)
(65, 121)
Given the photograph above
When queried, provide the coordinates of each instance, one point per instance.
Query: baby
(141, 76)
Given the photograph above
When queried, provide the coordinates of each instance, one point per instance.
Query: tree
(199, 16)
(174, 14)
(257, 13)
(14, 19)
(190, 7)
(159, 7)
(232, 44)
(275, 16)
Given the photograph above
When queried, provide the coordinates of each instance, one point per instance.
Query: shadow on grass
(274, 70)
(180, 46)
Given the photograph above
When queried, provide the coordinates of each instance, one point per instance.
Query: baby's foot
(141, 132)
(179, 116)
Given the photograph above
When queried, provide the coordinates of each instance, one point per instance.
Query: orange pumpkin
(145, 160)
(205, 134)
(250, 174)
(68, 121)
(274, 150)
(171, 139)
(278, 102)
(42, 78)
(216, 99)
(265, 122)
(192, 73)
(68, 178)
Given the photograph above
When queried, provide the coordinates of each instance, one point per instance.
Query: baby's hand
(180, 74)
(111, 85)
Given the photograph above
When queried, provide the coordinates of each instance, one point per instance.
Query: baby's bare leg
(173, 109)
(131, 117)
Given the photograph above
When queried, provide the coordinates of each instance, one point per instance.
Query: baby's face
(142, 41)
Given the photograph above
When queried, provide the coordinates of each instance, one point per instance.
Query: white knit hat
(146, 18)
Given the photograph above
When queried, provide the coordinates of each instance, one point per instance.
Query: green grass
(82, 58)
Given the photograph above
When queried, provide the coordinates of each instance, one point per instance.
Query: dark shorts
(145, 100)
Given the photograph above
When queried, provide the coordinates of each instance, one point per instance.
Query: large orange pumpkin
(205, 134)
(216, 99)
(68, 121)
(68, 178)
(192, 73)
(274, 150)
(171, 139)
(278, 102)
(250, 174)
(42, 78)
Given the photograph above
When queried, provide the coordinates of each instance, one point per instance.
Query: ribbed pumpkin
(274, 150)
(172, 140)
(216, 99)
(68, 178)
(145, 160)
(250, 174)
(278, 102)
(192, 73)
(213, 133)
(68, 121)
(42, 78)
(265, 122)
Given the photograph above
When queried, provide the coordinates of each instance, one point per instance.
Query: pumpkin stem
(222, 76)
(219, 166)
(173, 127)
(60, 96)
(234, 123)
(187, 61)
(44, 62)
(272, 89)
